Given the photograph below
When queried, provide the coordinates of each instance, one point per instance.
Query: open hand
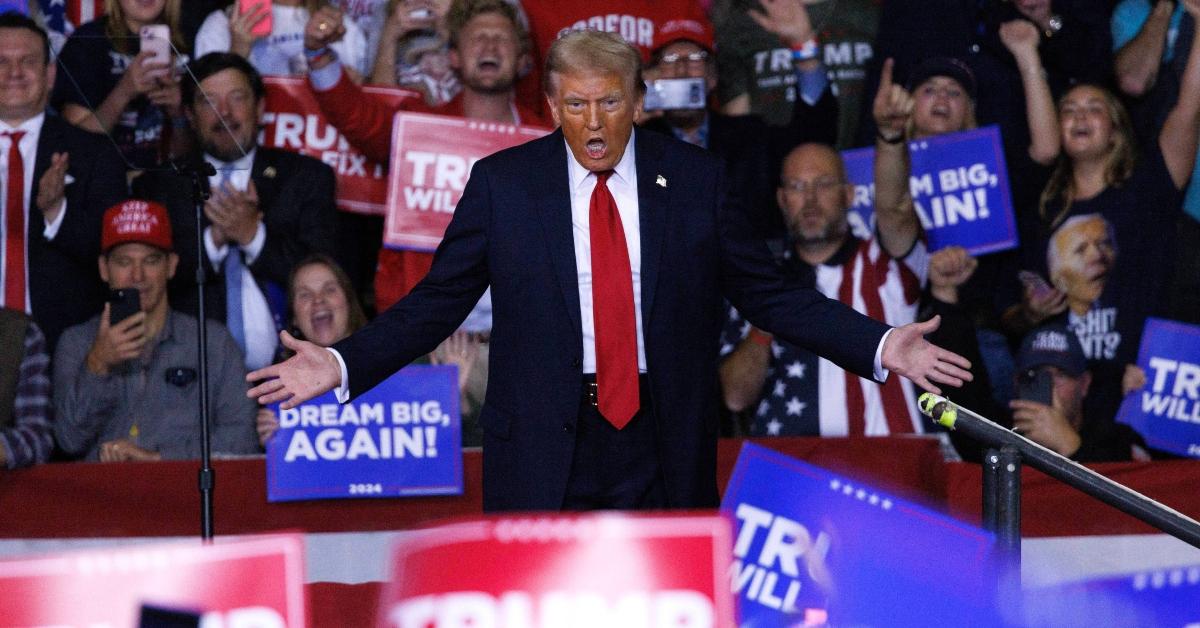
(310, 372)
(908, 354)
(787, 19)
(1021, 37)
(234, 213)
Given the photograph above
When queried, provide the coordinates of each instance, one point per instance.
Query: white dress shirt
(257, 321)
(623, 186)
(28, 147)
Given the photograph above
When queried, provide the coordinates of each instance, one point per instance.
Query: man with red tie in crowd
(608, 252)
(58, 181)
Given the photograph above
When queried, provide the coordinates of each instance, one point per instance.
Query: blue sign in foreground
(1166, 411)
(812, 547)
(1166, 598)
(401, 438)
(959, 186)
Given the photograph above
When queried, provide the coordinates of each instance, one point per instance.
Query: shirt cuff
(325, 78)
(51, 229)
(216, 254)
(342, 392)
(881, 374)
(812, 84)
(255, 247)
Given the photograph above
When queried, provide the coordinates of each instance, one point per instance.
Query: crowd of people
(1097, 103)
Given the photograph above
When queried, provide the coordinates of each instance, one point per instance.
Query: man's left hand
(52, 187)
(908, 354)
(235, 213)
(123, 450)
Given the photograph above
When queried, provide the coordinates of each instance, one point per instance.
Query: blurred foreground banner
(563, 571)
(293, 121)
(959, 187)
(1166, 598)
(432, 158)
(255, 582)
(401, 438)
(812, 547)
(1166, 411)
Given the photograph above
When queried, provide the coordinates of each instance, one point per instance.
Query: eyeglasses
(819, 186)
(692, 57)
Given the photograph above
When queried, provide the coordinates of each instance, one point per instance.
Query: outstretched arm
(898, 228)
(1177, 140)
(312, 371)
(1021, 38)
(906, 352)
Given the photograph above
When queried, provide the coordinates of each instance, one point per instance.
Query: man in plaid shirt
(25, 431)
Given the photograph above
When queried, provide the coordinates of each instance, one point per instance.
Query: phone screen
(263, 27)
(1036, 385)
(125, 303)
(156, 40)
(685, 93)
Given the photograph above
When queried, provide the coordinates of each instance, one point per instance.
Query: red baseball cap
(696, 30)
(136, 220)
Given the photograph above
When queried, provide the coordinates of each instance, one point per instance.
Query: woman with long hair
(107, 84)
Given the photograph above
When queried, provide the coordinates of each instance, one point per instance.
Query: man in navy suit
(59, 180)
(608, 253)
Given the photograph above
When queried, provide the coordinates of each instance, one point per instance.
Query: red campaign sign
(558, 571)
(431, 160)
(293, 121)
(254, 582)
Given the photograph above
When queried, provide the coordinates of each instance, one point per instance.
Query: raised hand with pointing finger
(892, 108)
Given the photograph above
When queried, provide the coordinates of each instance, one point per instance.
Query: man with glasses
(788, 391)
(683, 49)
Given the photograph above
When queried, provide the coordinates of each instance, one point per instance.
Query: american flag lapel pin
(661, 181)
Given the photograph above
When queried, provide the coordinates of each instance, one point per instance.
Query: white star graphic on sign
(795, 407)
(773, 427)
(745, 331)
(776, 350)
(763, 406)
(873, 499)
(796, 369)
(726, 348)
(780, 389)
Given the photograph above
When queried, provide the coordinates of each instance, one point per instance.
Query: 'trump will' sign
(432, 158)
(558, 571)
(1166, 412)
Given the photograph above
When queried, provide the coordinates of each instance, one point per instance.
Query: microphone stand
(199, 173)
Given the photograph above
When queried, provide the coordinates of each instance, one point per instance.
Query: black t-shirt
(1112, 254)
(89, 69)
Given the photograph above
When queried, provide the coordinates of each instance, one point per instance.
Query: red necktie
(14, 226)
(612, 310)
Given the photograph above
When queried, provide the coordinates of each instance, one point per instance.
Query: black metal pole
(199, 174)
(1008, 503)
(1063, 469)
(991, 479)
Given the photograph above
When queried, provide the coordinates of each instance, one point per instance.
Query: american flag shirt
(805, 395)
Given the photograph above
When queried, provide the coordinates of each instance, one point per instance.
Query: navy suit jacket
(512, 230)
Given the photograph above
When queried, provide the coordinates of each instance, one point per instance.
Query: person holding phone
(270, 35)
(1051, 380)
(118, 76)
(125, 382)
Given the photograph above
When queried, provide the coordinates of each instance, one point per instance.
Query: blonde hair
(595, 51)
(1118, 164)
(121, 37)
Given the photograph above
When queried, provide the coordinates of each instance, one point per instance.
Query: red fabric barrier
(1051, 508)
(161, 499)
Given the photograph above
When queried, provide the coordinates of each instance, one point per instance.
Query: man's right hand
(893, 105)
(118, 343)
(311, 372)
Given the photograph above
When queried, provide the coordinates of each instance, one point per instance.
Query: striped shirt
(805, 395)
(30, 438)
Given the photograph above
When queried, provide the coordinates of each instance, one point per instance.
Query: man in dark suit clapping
(269, 208)
(58, 181)
(608, 252)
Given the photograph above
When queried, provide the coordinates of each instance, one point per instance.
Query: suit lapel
(653, 199)
(264, 172)
(553, 194)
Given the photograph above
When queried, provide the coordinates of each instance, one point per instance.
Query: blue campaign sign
(1165, 597)
(8, 6)
(401, 438)
(1166, 411)
(812, 546)
(959, 186)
